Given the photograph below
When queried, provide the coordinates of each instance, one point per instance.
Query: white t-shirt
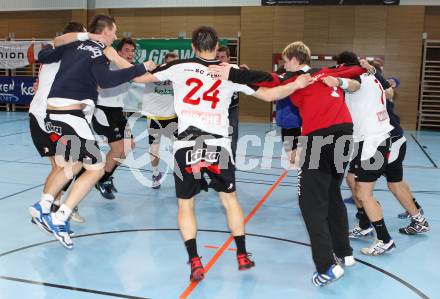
(158, 100)
(368, 110)
(200, 100)
(114, 96)
(46, 77)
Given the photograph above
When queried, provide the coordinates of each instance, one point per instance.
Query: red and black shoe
(197, 270)
(244, 262)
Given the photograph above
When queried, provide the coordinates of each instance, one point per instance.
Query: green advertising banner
(156, 49)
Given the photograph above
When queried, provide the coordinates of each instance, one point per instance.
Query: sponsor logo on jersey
(96, 51)
(382, 115)
(50, 128)
(195, 156)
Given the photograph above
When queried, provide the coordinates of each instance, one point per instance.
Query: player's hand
(331, 81)
(364, 63)
(244, 66)
(304, 80)
(220, 71)
(149, 65)
(35, 86)
(111, 53)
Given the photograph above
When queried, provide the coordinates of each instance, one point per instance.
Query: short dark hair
(205, 38)
(224, 49)
(348, 58)
(99, 22)
(171, 55)
(125, 41)
(73, 26)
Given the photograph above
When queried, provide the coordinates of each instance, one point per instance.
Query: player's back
(75, 79)
(200, 100)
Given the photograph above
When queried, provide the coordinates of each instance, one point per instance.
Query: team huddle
(347, 118)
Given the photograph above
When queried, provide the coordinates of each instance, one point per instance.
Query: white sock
(155, 170)
(61, 215)
(57, 202)
(46, 202)
(418, 217)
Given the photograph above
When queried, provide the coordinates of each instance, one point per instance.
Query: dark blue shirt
(287, 115)
(394, 120)
(83, 68)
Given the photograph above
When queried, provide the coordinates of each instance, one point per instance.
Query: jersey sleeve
(258, 78)
(107, 78)
(49, 54)
(244, 89)
(163, 73)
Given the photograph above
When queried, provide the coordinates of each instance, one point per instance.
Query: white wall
(17, 5)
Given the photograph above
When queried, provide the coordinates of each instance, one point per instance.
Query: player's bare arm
(280, 92)
(78, 36)
(349, 85)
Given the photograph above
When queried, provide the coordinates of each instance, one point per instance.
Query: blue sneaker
(37, 213)
(60, 232)
(332, 274)
(349, 200)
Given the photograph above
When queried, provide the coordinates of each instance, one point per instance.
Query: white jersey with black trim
(114, 96)
(158, 100)
(200, 100)
(46, 78)
(371, 122)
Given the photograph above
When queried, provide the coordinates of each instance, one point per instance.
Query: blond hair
(299, 50)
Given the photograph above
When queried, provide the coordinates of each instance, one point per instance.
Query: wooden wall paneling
(316, 28)
(288, 26)
(38, 24)
(79, 15)
(432, 22)
(4, 24)
(370, 32)
(256, 51)
(227, 21)
(173, 20)
(341, 29)
(403, 57)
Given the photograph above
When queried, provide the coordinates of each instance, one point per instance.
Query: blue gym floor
(131, 248)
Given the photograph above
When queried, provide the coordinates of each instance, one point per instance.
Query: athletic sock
(241, 244)
(191, 247)
(46, 202)
(57, 202)
(364, 222)
(61, 215)
(155, 170)
(114, 169)
(381, 231)
(418, 217)
(416, 203)
(105, 177)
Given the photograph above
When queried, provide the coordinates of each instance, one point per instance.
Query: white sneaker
(359, 233)
(379, 247)
(75, 216)
(347, 261)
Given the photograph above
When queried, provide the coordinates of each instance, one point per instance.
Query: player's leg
(187, 186)
(111, 123)
(154, 137)
(76, 148)
(366, 176)
(401, 191)
(234, 115)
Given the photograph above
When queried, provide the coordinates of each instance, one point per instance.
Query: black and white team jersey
(371, 122)
(113, 96)
(46, 78)
(200, 100)
(83, 68)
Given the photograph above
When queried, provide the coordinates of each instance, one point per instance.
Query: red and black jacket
(322, 108)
